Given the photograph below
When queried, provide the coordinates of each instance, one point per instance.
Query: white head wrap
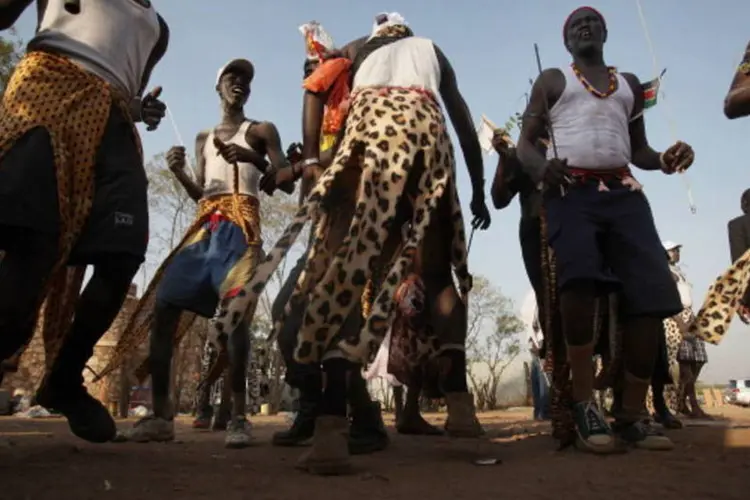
(386, 20)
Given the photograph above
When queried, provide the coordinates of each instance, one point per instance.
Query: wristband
(310, 161)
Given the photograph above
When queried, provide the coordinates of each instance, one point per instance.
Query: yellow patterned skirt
(51, 92)
(221, 222)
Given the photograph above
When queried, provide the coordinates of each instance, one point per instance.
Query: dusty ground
(41, 460)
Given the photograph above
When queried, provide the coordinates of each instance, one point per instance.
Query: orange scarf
(332, 76)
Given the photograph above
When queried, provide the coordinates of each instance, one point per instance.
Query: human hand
(501, 141)
(294, 153)
(480, 211)
(152, 109)
(677, 158)
(233, 153)
(744, 313)
(176, 159)
(556, 172)
(312, 172)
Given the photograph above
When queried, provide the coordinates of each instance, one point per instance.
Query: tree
(11, 51)
(492, 350)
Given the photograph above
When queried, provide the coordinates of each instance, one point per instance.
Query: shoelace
(144, 420)
(594, 420)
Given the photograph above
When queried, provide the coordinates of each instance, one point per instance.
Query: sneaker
(238, 433)
(202, 422)
(87, 417)
(667, 420)
(593, 431)
(149, 429)
(642, 435)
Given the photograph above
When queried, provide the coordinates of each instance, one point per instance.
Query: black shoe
(593, 431)
(667, 420)
(303, 427)
(641, 435)
(367, 432)
(87, 417)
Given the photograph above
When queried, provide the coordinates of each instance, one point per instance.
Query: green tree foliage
(11, 51)
(492, 341)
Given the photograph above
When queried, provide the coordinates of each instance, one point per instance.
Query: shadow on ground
(43, 461)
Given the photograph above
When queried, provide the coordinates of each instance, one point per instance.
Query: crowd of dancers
(377, 179)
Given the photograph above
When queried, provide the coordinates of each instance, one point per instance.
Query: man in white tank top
(737, 102)
(218, 253)
(599, 221)
(72, 185)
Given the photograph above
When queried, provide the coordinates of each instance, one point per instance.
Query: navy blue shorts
(199, 273)
(609, 237)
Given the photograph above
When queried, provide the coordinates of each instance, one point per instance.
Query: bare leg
(238, 432)
(159, 426)
(398, 403)
(686, 374)
(412, 421)
(697, 411)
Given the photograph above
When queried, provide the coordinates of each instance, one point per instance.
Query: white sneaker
(148, 429)
(238, 433)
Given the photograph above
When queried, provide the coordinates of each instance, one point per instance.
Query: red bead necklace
(611, 88)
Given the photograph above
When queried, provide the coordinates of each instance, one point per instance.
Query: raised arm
(642, 155)
(460, 116)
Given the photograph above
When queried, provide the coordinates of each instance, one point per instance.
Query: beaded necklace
(611, 88)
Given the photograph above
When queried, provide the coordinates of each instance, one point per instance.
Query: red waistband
(600, 174)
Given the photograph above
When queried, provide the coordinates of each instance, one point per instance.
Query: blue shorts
(196, 276)
(609, 237)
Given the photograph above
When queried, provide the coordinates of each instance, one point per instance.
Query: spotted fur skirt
(392, 136)
(722, 302)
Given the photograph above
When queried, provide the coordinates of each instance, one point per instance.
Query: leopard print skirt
(395, 129)
(722, 302)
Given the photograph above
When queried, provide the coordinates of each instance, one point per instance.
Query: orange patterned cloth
(73, 105)
(332, 76)
(242, 210)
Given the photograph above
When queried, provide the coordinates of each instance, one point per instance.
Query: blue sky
(490, 44)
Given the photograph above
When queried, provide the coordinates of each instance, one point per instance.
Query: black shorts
(118, 222)
(609, 237)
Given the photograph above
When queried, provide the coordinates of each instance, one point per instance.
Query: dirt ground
(40, 459)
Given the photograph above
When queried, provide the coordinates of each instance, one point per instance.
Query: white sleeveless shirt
(220, 174)
(590, 132)
(683, 286)
(112, 39)
(410, 62)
